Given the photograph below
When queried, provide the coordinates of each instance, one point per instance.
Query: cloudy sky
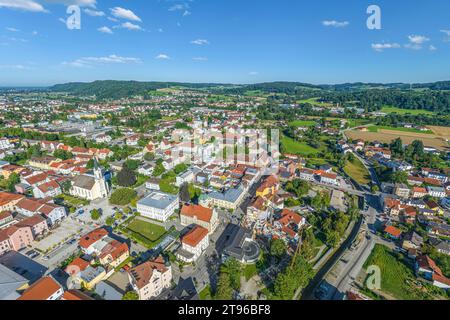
(233, 41)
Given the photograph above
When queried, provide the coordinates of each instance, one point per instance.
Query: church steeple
(97, 170)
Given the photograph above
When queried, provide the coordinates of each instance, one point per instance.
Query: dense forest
(111, 89)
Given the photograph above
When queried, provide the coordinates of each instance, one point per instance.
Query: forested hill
(372, 96)
(112, 89)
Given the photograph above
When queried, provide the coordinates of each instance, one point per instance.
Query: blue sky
(231, 41)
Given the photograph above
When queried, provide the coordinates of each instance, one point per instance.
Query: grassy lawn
(150, 231)
(303, 123)
(397, 278)
(250, 270)
(352, 123)
(412, 130)
(357, 171)
(73, 201)
(205, 294)
(294, 147)
(314, 102)
(389, 109)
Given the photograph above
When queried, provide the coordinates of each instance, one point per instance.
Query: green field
(357, 171)
(412, 130)
(352, 123)
(294, 147)
(314, 102)
(302, 123)
(149, 230)
(397, 278)
(389, 109)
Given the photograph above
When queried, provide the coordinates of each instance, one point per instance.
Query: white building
(436, 192)
(185, 177)
(158, 205)
(150, 278)
(193, 244)
(90, 187)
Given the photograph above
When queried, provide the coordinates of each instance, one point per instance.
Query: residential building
(195, 214)
(185, 177)
(193, 244)
(46, 288)
(436, 192)
(150, 278)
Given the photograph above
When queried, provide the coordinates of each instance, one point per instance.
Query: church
(90, 186)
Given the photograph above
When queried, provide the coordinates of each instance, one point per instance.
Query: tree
(184, 193)
(109, 221)
(224, 290)
(90, 165)
(13, 179)
(126, 177)
(149, 156)
(399, 177)
(132, 164)
(233, 269)
(179, 168)
(122, 197)
(95, 214)
(66, 186)
(308, 248)
(62, 154)
(277, 248)
(130, 295)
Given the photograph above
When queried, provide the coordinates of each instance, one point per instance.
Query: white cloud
(447, 35)
(200, 42)
(81, 3)
(160, 30)
(129, 26)
(253, 73)
(111, 59)
(13, 67)
(416, 42)
(179, 7)
(122, 13)
(112, 19)
(94, 13)
(34, 33)
(26, 5)
(200, 59)
(432, 48)
(335, 24)
(105, 30)
(380, 47)
(162, 56)
(12, 29)
(186, 13)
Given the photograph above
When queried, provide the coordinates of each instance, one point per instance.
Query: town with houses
(140, 199)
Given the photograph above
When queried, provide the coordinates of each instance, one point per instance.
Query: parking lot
(65, 231)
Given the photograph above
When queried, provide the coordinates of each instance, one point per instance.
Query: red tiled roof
(195, 236)
(75, 295)
(393, 231)
(77, 265)
(6, 197)
(201, 213)
(426, 262)
(41, 290)
(142, 274)
(92, 237)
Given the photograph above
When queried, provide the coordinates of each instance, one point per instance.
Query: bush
(122, 197)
